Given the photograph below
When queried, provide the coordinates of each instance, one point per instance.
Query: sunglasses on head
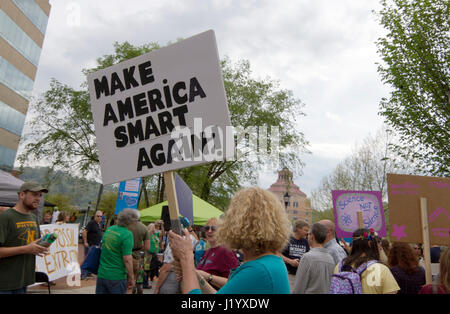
(213, 228)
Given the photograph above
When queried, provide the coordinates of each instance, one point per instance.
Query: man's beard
(30, 206)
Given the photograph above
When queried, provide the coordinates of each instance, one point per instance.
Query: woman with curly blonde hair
(255, 223)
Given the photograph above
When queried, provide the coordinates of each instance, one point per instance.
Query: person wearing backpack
(361, 271)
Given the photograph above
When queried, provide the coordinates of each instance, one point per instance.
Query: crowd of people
(252, 249)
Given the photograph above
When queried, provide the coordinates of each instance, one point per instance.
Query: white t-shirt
(168, 256)
(55, 216)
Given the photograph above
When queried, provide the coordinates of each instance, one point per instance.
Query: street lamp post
(87, 214)
(286, 198)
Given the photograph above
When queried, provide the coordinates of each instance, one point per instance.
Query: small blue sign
(128, 195)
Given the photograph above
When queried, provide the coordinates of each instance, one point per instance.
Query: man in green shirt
(115, 273)
(19, 237)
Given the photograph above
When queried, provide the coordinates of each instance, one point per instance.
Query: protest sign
(128, 195)
(161, 111)
(63, 257)
(405, 193)
(348, 205)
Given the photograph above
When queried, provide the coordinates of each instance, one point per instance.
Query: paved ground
(61, 287)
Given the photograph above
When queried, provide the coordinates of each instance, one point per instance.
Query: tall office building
(22, 30)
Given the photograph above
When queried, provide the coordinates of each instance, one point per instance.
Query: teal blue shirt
(265, 275)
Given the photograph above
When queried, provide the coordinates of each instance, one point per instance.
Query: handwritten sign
(63, 257)
(404, 192)
(346, 206)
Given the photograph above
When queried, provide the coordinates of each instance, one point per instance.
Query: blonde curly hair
(255, 221)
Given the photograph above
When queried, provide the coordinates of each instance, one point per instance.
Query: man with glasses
(92, 236)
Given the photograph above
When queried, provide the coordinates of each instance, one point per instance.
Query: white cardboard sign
(161, 111)
(62, 259)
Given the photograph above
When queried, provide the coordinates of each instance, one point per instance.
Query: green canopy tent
(202, 211)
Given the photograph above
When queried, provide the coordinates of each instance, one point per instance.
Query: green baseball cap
(32, 186)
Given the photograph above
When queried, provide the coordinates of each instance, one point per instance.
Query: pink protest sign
(346, 206)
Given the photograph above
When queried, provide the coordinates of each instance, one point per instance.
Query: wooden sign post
(171, 195)
(426, 239)
(360, 220)
(357, 210)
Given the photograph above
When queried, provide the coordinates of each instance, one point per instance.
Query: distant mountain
(82, 191)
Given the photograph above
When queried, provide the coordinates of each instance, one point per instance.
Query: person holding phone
(19, 237)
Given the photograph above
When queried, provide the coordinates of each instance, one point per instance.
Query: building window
(7, 158)
(295, 211)
(11, 119)
(17, 38)
(34, 13)
(15, 80)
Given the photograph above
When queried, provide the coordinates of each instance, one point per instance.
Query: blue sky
(323, 51)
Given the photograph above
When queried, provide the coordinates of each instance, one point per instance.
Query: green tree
(63, 202)
(62, 133)
(416, 65)
(318, 215)
(108, 204)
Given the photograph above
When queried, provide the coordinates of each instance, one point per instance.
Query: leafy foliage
(318, 215)
(62, 132)
(416, 65)
(108, 203)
